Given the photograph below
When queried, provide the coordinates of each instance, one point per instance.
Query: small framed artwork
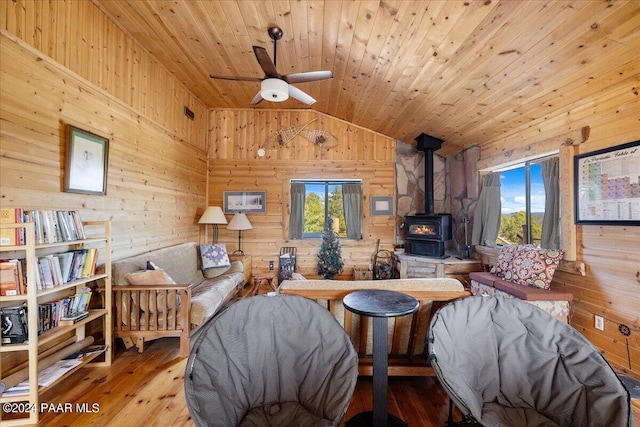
(245, 202)
(607, 186)
(381, 205)
(87, 160)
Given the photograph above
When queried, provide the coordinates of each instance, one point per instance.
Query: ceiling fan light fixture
(274, 90)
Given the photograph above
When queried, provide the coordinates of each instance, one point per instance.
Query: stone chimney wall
(455, 189)
(410, 184)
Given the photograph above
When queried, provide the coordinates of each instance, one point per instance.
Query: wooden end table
(257, 281)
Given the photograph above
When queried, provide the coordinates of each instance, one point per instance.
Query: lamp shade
(213, 215)
(274, 90)
(239, 222)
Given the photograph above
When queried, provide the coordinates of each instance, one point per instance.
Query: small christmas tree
(330, 260)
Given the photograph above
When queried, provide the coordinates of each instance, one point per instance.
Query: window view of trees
(323, 202)
(513, 229)
(522, 197)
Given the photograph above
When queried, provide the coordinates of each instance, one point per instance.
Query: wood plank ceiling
(464, 71)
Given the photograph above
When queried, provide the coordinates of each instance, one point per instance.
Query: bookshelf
(59, 340)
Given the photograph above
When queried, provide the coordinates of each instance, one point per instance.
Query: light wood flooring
(147, 390)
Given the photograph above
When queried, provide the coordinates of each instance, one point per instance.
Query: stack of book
(65, 311)
(50, 226)
(65, 267)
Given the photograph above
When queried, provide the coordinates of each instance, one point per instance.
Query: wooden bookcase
(47, 343)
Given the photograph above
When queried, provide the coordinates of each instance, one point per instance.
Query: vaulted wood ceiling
(464, 71)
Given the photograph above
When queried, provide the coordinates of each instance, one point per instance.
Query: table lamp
(239, 222)
(213, 215)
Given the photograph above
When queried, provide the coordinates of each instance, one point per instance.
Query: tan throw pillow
(152, 277)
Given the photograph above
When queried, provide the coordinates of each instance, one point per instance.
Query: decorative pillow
(152, 277)
(214, 256)
(503, 264)
(535, 267)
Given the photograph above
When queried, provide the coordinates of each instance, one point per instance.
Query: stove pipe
(428, 144)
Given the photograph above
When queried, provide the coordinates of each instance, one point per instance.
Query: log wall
(66, 63)
(234, 165)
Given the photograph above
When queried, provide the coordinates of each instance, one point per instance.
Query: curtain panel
(486, 224)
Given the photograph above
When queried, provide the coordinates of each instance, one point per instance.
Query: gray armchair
(504, 362)
(271, 360)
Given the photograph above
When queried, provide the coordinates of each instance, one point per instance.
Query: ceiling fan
(277, 87)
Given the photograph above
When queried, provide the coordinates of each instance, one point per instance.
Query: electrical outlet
(599, 323)
(270, 265)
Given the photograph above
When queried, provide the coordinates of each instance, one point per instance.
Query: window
(316, 202)
(523, 201)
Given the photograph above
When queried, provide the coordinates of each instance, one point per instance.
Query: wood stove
(425, 234)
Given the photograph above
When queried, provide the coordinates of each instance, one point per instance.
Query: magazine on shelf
(46, 377)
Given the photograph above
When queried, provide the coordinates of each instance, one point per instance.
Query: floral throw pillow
(505, 258)
(214, 255)
(535, 267)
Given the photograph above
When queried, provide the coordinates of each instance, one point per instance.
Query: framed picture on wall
(87, 160)
(245, 202)
(381, 205)
(607, 186)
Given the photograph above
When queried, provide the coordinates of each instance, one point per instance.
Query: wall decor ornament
(86, 164)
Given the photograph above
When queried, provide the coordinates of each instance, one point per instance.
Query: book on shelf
(64, 267)
(12, 277)
(50, 226)
(72, 319)
(11, 236)
(14, 325)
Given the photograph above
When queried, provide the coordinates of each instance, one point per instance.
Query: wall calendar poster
(607, 186)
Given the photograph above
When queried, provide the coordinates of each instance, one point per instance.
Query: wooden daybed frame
(406, 354)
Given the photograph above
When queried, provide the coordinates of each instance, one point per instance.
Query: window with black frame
(529, 206)
(315, 203)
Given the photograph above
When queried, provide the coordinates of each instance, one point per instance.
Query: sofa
(165, 293)
(407, 334)
(525, 272)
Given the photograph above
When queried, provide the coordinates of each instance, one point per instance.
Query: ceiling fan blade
(244, 79)
(257, 99)
(308, 76)
(265, 62)
(296, 93)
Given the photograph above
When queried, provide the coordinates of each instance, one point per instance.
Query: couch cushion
(181, 262)
(208, 296)
(534, 266)
(483, 277)
(531, 293)
(152, 277)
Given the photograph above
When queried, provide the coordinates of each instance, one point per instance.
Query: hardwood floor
(147, 389)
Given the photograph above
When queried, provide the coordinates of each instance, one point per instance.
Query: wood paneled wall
(65, 62)
(611, 286)
(234, 165)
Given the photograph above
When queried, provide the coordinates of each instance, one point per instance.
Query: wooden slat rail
(406, 356)
(135, 326)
